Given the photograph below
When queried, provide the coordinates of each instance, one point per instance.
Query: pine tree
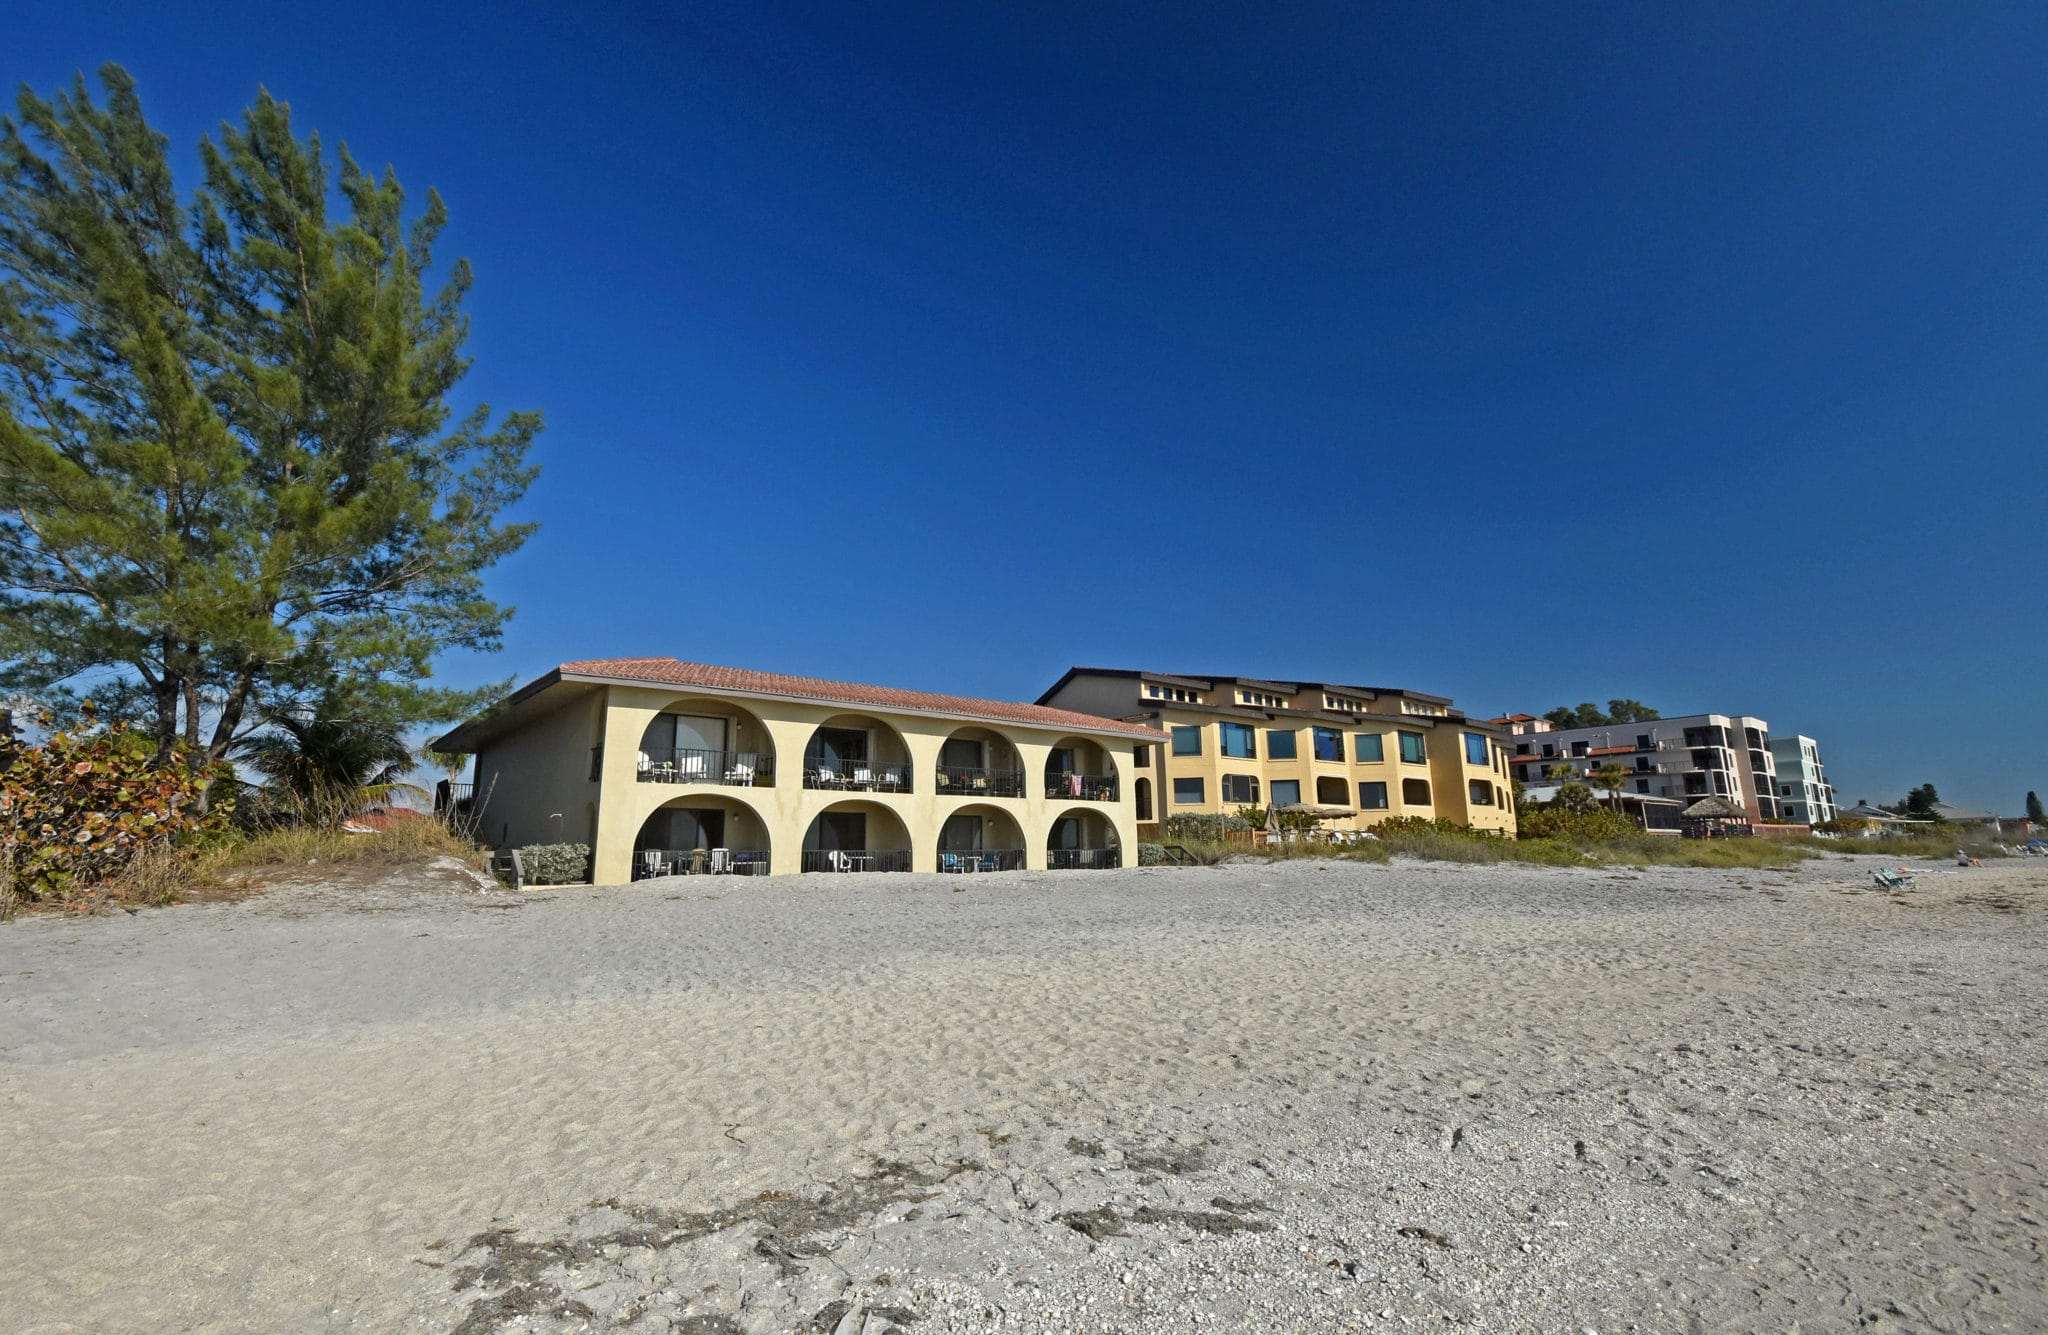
(2034, 811)
(228, 473)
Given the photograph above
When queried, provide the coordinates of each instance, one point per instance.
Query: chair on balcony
(950, 862)
(863, 777)
(721, 861)
(691, 768)
(740, 773)
(653, 862)
(821, 775)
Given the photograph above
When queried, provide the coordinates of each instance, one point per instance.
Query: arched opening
(1141, 791)
(979, 762)
(981, 838)
(1082, 838)
(856, 836)
(703, 834)
(857, 753)
(1080, 768)
(697, 740)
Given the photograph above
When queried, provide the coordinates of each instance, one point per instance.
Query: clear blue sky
(1697, 354)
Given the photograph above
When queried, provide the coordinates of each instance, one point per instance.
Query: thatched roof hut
(1714, 817)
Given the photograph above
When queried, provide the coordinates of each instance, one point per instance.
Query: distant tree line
(1590, 715)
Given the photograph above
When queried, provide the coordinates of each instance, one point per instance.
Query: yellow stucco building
(662, 766)
(1356, 754)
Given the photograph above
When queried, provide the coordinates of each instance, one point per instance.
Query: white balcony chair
(741, 773)
(691, 768)
(721, 861)
(863, 778)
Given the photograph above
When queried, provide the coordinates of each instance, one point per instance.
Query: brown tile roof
(674, 672)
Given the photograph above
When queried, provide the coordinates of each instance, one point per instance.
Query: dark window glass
(1240, 788)
(1415, 792)
(1239, 742)
(1286, 792)
(1369, 747)
(1279, 745)
(1413, 751)
(1372, 797)
(1329, 744)
(1480, 793)
(1187, 792)
(1187, 741)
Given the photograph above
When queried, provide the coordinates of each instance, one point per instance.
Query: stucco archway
(979, 762)
(857, 753)
(1082, 837)
(709, 832)
(981, 837)
(703, 740)
(1080, 768)
(856, 836)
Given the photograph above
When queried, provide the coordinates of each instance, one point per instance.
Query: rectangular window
(1579, 748)
(1369, 747)
(1279, 745)
(1329, 744)
(1141, 756)
(1187, 792)
(1187, 742)
(1286, 792)
(1413, 751)
(1475, 748)
(1239, 741)
(1415, 792)
(1480, 793)
(1372, 797)
(1243, 788)
(1642, 785)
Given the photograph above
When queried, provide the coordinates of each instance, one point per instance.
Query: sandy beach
(1309, 1096)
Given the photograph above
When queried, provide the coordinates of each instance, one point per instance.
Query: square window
(1243, 788)
(1372, 797)
(1286, 792)
(1329, 744)
(1187, 741)
(1415, 792)
(1187, 792)
(1369, 747)
(1480, 793)
(1279, 745)
(1239, 741)
(1413, 750)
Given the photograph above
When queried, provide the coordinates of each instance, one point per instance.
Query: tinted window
(1238, 741)
(1187, 741)
(1413, 751)
(1372, 797)
(1187, 792)
(1286, 792)
(1279, 745)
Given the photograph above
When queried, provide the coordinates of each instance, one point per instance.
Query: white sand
(1139, 1100)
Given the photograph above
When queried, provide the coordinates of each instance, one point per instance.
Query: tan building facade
(662, 766)
(1358, 754)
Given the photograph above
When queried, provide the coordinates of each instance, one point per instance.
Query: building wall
(1804, 793)
(534, 784)
(785, 811)
(1751, 782)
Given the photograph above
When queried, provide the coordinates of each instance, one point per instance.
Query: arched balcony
(856, 836)
(703, 834)
(1079, 768)
(857, 753)
(1082, 838)
(981, 838)
(979, 762)
(707, 741)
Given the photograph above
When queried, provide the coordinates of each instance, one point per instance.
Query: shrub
(555, 864)
(75, 811)
(1591, 824)
(1203, 826)
(1151, 855)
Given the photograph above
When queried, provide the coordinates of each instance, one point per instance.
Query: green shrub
(555, 864)
(1203, 825)
(1590, 825)
(1151, 855)
(75, 811)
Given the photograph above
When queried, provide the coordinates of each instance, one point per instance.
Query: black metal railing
(856, 775)
(1087, 787)
(981, 859)
(456, 805)
(1070, 859)
(857, 859)
(696, 764)
(964, 781)
(650, 862)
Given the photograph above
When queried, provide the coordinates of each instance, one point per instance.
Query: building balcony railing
(1070, 859)
(1087, 787)
(962, 781)
(651, 862)
(856, 775)
(982, 859)
(856, 859)
(690, 764)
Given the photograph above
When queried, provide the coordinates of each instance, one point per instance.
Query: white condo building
(1804, 794)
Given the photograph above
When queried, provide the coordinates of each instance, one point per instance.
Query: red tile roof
(675, 672)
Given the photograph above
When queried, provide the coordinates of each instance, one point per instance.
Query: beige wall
(534, 782)
(786, 809)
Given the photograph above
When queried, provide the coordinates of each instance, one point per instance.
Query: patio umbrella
(1272, 820)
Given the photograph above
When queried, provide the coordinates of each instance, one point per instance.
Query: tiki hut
(1714, 818)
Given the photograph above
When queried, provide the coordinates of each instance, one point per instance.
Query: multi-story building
(1699, 755)
(663, 766)
(1360, 753)
(1804, 794)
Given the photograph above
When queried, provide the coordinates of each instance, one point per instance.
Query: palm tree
(325, 766)
(1613, 777)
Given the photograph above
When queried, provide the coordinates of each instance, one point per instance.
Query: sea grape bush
(555, 864)
(77, 809)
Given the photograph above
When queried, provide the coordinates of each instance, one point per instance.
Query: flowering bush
(77, 809)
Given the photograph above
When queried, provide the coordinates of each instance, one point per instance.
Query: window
(1415, 792)
(1642, 786)
(1187, 792)
(1279, 745)
(1286, 792)
(1144, 797)
(1480, 792)
(1330, 791)
(1343, 704)
(1369, 747)
(1239, 741)
(1372, 797)
(1240, 788)
(1642, 741)
(1178, 694)
(1261, 699)
(1187, 741)
(1521, 748)
(1579, 748)
(1549, 750)
(1141, 756)
(1329, 744)
(1475, 748)
(1413, 750)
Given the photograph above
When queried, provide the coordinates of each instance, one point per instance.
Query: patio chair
(863, 777)
(691, 768)
(721, 861)
(1887, 879)
(741, 773)
(838, 861)
(950, 862)
(653, 863)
